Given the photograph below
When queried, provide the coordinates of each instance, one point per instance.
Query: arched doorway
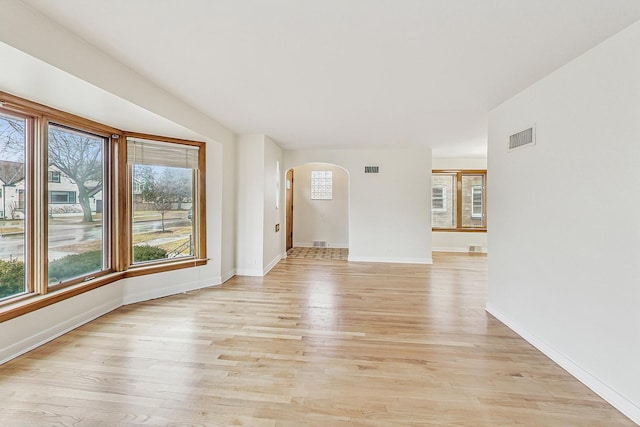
(317, 211)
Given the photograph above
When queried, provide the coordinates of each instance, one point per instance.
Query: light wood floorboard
(315, 343)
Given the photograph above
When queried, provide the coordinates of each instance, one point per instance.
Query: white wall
(389, 212)
(325, 220)
(272, 241)
(259, 246)
(250, 196)
(444, 241)
(565, 242)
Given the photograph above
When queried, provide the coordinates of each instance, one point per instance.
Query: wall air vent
(524, 138)
(372, 169)
(319, 243)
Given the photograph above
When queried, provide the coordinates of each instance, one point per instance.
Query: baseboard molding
(460, 250)
(272, 264)
(616, 400)
(153, 293)
(228, 275)
(391, 260)
(256, 272)
(329, 245)
(42, 337)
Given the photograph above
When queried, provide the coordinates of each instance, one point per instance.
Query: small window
(438, 198)
(62, 197)
(321, 185)
(53, 176)
(476, 201)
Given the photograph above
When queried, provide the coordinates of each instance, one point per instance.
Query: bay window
(83, 204)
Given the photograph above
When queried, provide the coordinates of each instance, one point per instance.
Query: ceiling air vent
(523, 139)
(372, 169)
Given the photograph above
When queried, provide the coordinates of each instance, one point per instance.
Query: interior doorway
(317, 211)
(289, 208)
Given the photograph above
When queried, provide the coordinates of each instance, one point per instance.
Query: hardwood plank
(315, 343)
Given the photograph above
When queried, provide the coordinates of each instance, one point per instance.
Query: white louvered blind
(157, 153)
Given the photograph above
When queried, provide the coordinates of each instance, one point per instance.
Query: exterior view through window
(162, 199)
(13, 140)
(75, 204)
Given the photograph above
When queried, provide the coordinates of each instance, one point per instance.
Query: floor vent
(523, 139)
(372, 169)
(319, 243)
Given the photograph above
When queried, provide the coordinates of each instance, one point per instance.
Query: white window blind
(157, 153)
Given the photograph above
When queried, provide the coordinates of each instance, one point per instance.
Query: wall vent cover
(319, 243)
(524, 138)
(372, 169)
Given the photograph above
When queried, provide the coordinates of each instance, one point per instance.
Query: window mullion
(459, 199)
(37, 219)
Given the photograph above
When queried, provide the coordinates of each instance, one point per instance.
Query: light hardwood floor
(315, 343)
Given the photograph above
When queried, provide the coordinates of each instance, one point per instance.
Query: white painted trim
(272, 264)
(618, 401)
(228, 275)
(249, 272)
(458, 249)
(329, 245)
(152, 292)
(391, 260)
(55, 331)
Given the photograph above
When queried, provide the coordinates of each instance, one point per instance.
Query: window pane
(473, 201)
(443, 210)
(162, 212)
(75, 204)
(13, 138)
(321, 185)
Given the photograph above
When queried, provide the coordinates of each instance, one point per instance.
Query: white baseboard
(272, 264)
(249, 272)
(46, 335)
(153, 292)
(461, 250)
(618, 401)
(228, 275)
(391, 260)
(329, 245)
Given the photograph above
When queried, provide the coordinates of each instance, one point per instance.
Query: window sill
(159, 267)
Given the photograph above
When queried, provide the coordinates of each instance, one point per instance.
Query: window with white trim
(476, 201)
(438, 198)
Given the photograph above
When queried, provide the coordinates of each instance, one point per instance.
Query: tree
(164, 187)
(79, 157)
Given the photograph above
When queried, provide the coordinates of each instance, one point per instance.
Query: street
(62, 235)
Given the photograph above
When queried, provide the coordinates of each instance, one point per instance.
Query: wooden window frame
(40, 295)
(459, 173)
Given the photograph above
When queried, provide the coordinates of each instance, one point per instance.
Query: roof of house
(11, 172)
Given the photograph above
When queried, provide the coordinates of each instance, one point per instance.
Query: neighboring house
(11, 189)
(63, 192)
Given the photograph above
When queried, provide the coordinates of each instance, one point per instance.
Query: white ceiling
(346, 73)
